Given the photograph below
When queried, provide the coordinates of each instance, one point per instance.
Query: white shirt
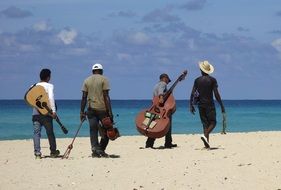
(50, 91)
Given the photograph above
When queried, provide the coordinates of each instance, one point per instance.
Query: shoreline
(249, 160)
(139, 135)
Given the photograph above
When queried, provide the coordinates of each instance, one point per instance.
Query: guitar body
(38, 98)
(35, 96)
(161, 123)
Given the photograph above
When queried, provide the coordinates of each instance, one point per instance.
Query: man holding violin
(159, 90)
(95, 91)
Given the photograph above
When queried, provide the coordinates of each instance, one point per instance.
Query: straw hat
(206, 67)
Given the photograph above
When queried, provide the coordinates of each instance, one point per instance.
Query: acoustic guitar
(38, 98)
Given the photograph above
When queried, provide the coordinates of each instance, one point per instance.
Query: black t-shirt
(205, 85)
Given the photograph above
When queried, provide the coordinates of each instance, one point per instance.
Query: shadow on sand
(210, 149)
(158, 148)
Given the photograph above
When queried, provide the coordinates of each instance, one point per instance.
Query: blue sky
(136, 41)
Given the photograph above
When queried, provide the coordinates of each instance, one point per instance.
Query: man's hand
(82, 116)
(161, 99)
(192, 109)
(54, 115)
(111, 117)
(222, 110)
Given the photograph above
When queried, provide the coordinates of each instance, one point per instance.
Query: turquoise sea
(242, 116)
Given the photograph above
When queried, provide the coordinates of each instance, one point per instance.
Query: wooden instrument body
(163, 123)
(111, 131)
(155, 121)
(36, 96)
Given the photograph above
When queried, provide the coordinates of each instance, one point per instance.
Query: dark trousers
(94, 118)
(168, 137)
(47, 122)
(207, 115)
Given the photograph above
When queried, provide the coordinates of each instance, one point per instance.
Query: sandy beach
(235, 161)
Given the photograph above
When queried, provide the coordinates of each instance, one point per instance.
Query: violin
(111, 132)
(155, 122)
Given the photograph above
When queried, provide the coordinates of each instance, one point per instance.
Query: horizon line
(151, 99)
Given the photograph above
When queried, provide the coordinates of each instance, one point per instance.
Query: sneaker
(55, 154)
(148, 146)
(38, 156)
(102, 153)
(205, 141)
(170, 145)
(95, 155)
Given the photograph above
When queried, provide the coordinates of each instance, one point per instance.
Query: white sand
(237, 161)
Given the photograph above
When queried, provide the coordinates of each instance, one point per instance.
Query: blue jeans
(94, 118)
(47, 122)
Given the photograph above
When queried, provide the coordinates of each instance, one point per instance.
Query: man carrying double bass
(159, 90)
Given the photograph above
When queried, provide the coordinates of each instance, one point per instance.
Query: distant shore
(235, 161)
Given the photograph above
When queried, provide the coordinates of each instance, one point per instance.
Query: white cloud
(41, 26)
(8, 41)
(26, 48)
(277, 44)
(139, 38)
(67, 36)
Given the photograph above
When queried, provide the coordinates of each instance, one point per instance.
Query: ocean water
(242, 116)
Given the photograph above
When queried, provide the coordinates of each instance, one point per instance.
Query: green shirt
(95, 85)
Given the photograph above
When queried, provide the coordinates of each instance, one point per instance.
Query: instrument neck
(169, 92)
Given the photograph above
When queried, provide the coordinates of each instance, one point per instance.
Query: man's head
(97, 69)
(45, 75)
(206, 67)
(164, 77)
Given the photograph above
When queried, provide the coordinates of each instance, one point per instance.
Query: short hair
(44, 74)
(99, 71)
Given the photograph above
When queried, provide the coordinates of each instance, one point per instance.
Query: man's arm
(83, 105)
(52, 100)
(107, 102)
(161, 92)
(218, 98)
(191, 106)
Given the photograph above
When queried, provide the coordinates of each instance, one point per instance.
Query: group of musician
(96, 105)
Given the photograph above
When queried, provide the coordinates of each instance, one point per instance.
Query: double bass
(155, 122)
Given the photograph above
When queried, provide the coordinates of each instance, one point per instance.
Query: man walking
(159, 90)
(95, 93)
(202, 94)
(40, 120)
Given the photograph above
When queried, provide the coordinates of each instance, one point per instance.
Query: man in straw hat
(202, 94)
